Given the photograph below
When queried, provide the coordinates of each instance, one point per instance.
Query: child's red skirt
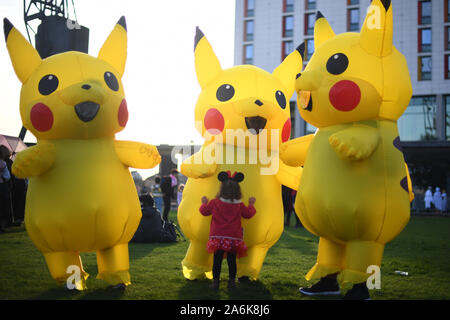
(228, 245)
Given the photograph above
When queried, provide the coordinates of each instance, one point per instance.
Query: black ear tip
(198, 36)
(319, 15)
(386, 4)
(123, 22)
(301, 50)
(7, 27)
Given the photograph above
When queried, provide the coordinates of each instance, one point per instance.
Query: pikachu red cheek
(286, 132)
(41, 117)
(345, 95)
(214, 121)
(123, 113)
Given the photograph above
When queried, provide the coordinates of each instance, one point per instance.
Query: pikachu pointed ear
(288, 70)
(207, 66)
(114, 50)
(24, 57)
(377, 30)
(322, 30)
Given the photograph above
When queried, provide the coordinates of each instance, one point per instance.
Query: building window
(249, 8)
(424, 40)
(309, 44)
(288, 5)
(418, 123)
(288, 26)
(286, 48)
(447, 38)
(424, 11)
(353, 19)
(424, 66)
(309, 23)
(248, 54)
(310, 4)
(249, 29)
(447, 10)
(309, 128)
(447, 117)
(352, 2)
(447, 67)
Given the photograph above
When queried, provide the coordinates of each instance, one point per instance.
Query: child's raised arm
(206, 207)
(248, 212)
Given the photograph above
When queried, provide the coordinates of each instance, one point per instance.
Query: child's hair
(158, 180)
(180, 188)
(230, 190)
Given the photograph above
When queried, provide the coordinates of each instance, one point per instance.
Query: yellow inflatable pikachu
(243, 113)
(81, 196)
(355, 190)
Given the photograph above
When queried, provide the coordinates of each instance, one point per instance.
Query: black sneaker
(325, 287)
(359, 291)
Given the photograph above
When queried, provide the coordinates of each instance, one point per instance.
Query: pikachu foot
(251, 265)
(66, 268)
(198, 262)
(113, 265)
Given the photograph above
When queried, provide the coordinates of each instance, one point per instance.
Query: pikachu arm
(355, 143)
(293, 153)
(289, 176)
(196, 167)
(35, 160)
(136, 154)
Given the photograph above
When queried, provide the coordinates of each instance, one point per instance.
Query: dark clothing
(151, 226)
(167, 190)
(217, 264)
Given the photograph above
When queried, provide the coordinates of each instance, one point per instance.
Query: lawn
(422, 249)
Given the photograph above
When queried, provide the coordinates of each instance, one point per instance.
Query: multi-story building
(267, 30)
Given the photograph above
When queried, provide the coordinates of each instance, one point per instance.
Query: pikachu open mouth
(87, 110)
(255, 124)
(305, 100)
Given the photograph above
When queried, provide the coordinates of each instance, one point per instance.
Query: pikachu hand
(196, 171)
(293, 152)
(137, 155)
(355, 143)
(34, 161)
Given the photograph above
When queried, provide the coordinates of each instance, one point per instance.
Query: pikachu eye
(48, 84)
(337, 63)
(281, 99)
(225, 92)
(111, 81)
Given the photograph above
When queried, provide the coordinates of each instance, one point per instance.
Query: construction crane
(49, 22)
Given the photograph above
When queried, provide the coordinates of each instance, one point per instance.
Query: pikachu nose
(86, 86)
(258, 102)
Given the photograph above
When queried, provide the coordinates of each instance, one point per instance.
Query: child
(226, 234)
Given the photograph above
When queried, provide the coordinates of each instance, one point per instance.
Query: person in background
(167, 190)
(428, 199)
(437, 199)
(157, 194)
(286, 195)
(174, 181)
(5, 193)
(444, 201)
(180, 193)
(226, 234)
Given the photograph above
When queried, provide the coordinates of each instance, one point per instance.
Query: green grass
(422, 249)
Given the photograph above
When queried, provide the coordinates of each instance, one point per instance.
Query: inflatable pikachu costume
(238, 111)
(81, 196)
(355, 190)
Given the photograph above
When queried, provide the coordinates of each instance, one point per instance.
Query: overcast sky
(160, 83)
